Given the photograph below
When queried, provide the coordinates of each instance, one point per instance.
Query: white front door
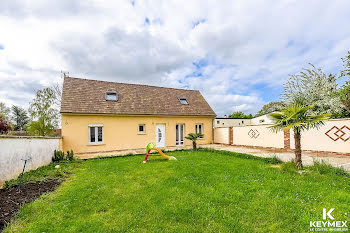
(180, 134)
(160, 135)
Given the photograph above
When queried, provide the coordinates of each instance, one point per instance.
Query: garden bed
(11, 199)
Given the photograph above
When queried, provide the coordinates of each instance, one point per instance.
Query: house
(231, 122)
(262, 120)
(99, 116)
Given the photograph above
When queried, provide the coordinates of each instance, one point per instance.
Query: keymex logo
(329, 223)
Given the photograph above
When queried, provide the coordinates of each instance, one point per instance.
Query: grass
(46, 172)
(203, 191)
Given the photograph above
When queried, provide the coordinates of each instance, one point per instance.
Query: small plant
(273, 160)
(70, 155)
(57, 156)
(193, 137)
(323, 167)
(289, 167)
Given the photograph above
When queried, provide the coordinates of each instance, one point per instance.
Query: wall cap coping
(27, 137)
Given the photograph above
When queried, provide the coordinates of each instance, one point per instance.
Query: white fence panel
(257, 135)
(221, 135)
(334, 136)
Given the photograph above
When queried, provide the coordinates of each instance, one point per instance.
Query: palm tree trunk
(194, 145)
(297, 136)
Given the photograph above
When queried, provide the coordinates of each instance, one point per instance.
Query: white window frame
(197, 131)
(109, 93)
(183, 99)
(180, 143)
(96, 134)
(144, 129)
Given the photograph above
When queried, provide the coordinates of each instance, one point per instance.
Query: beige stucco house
(99, 116)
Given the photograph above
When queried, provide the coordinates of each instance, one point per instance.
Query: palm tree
(298, 118)
(193, 137)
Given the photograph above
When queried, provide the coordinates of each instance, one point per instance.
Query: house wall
(262, 120)
(121, 132)
(15, 148)
(229, 122)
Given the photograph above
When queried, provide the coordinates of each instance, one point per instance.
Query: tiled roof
(88, 96)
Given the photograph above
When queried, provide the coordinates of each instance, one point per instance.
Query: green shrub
(273, 160)
(289, 167)
(324, 168)
(57, 156)
(70, 155)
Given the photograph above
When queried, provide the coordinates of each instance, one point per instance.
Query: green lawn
(204, 191)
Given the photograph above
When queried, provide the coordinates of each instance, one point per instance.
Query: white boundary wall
(13, 149)
(336, 140)
(221, 135)
(334, 136)
(257, 135)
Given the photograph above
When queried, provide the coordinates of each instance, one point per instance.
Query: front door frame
(178, 135)
(163, 135)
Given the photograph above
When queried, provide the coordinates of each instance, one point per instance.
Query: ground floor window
(180, 134)
(199, 129)
(142, 129)
(95, 134)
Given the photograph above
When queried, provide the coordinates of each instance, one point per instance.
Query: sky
(237, 53)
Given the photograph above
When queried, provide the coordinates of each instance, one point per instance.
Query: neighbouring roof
(89, 96)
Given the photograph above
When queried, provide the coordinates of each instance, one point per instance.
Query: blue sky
(237, 53)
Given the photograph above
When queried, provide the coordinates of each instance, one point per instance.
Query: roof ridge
(134, 84)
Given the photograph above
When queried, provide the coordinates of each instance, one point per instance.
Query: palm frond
(298, 117)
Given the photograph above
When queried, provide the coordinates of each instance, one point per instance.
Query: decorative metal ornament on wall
(336, 133)
(253, 133)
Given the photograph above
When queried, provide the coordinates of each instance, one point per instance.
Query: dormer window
(183, 100)
(112, 96)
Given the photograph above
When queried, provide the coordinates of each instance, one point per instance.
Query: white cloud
(242, 44)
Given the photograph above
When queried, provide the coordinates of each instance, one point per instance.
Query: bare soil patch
(11, 199)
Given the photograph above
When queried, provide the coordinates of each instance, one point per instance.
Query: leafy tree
(40, 127)
(344, 94)
(19, 117)
(299, 118)
(4, 110)
(193, 137)
(240, 115)
(346, 61)
(313, 87)
(271, 107)
(4, 125)
(344, 91)
(43, 112)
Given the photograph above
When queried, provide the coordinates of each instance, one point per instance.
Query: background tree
(40, 128)
(299, 118)
(240, 115)
(19, 117)
(4, 124)
(344, 91)
(4, 110)
(346, 63)
(275, 106)
(313, 87)
(43, 112)
(193, 137)
(344, 94)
